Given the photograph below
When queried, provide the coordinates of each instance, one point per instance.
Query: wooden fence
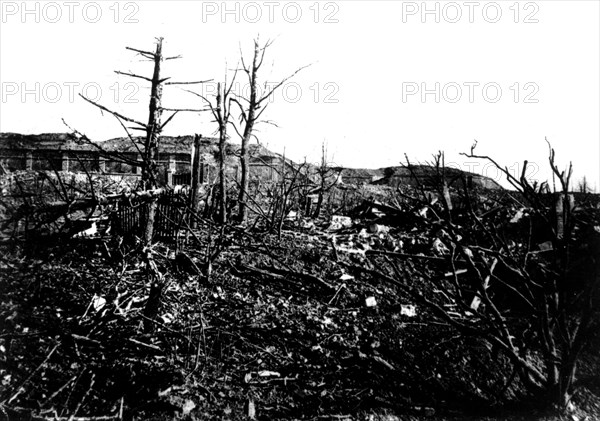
(182, 179)
(172, 216)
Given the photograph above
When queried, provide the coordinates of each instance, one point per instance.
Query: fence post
(64, 161)
(136, 169)
(29, 160)
(171, 169)
(197, 178)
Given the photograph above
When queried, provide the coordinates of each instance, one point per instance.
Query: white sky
(358, 96)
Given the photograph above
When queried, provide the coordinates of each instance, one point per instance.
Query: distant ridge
(389, 176)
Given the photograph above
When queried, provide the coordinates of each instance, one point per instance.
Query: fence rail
(171, 217)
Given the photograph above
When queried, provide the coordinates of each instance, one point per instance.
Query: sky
(387, 79)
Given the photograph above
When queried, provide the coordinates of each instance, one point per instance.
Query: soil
(273, 328)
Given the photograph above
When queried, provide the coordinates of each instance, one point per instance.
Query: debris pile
(316, 322)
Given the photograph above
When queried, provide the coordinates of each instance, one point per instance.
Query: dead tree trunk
(196, 179)
(327, 178)
(251, 110)
(322, 180)
(149, 171)
(149, 176)
(221, 111)
(248, 129)
(149, 166)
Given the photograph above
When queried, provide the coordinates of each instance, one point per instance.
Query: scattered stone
(408, 310)
(98, 303)
(520, 213)
(291, 216)
(344, 221)
(251, 409)
(188, 407)
(378, 229)
(370, 302)
(439, 247)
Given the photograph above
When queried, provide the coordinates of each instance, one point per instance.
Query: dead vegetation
(433, 300)
(375, 315)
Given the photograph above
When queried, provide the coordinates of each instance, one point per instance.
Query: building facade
(65, 152)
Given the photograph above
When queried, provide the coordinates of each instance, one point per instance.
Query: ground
(273, 328)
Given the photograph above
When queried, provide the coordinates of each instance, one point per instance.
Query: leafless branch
(133, 75)
(116, 114)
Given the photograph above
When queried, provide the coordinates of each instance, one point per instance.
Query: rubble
(297, 326)
(408, 310)
(370, 302)
(439, 248)
(339, 222)
(378, 229)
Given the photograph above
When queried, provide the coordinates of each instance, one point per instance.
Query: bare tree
(251, 110)
(528, 286)
(149, 151)
(327, 177)
(150, 148)
(221, 111)
(583, 186)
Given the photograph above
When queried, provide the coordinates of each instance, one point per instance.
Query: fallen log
(285, 275)
(304, 277)
(411, 256)
(241, 269)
